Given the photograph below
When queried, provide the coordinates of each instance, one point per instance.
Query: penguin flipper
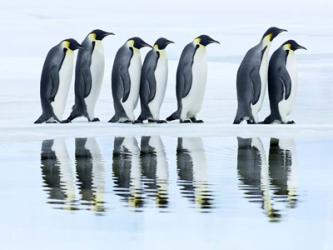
(87, 79)
(286, 82)
(54, 75)
(126, 83)
(152, 85)
(184, 81)
(256, 84)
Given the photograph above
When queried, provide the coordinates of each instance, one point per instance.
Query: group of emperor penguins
(131, 80)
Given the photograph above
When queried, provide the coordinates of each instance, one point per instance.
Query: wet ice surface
(187, 191)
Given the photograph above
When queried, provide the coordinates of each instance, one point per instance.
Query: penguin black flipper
(286, 81)
(126, 83)
(54, 75)
(256, 85)
(87, 78)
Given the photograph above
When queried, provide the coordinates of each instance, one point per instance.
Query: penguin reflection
(258, 178)
(57, 173)
(192, 172)
(282, 169)
(90, 173)
(127, 171)
(155, 169)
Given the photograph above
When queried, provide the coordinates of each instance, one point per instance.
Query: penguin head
(161, 43)
(98, 35)
(71, 44)
(271, 33)
(292, 45)
(204, 40)
(137, 42)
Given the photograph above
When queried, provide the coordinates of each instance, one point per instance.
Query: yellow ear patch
(66, 44)
(156, 47)
(130, 43)
(92, 37)
(287, 46)
(197, 41)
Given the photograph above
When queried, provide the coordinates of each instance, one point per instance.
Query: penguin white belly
(97, 73)
(65, 78)
(286, 105)
(135, 74)
(193, 101)
(161, 76)
(263, 72)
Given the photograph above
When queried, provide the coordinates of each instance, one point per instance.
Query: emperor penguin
(191, 80)
(89, 72)
(125, 82)
(252, 78)
(282, 82)
(154, 77)
(55, 80)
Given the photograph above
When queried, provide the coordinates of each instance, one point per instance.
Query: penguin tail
(114, 119)
(174, 116)
(42, 118)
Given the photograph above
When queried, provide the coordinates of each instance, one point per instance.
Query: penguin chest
(65, 78)
(97, 73)
(193, 101)
(134, 71)
(263, 72)
(161, 76)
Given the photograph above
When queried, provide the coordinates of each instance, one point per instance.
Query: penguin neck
(161, 52)
(266, 43)
(130, 45)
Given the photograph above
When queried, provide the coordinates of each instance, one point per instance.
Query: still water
(205, 191)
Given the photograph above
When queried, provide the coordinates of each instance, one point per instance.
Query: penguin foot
(126, 121)
(194, 120)
(291, 122)
(156, 121)
(185, 121)
(251, 121)
(138, 122)
(95, 120)
(66, 121)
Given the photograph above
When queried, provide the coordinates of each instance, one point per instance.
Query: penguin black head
(204, 40)
(137, 43)
(292, 45)
(99, 34)
(71, 44)
(161, 43)
(271, 33)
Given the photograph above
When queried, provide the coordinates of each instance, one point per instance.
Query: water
(136, 192)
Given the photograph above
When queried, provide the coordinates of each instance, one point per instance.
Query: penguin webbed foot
(186, 121)
(66, 121)
(126, 121)
(138, 122)
(156, 121)
(194, 120)
(251, 121)
(291, 122)
(96, 119)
